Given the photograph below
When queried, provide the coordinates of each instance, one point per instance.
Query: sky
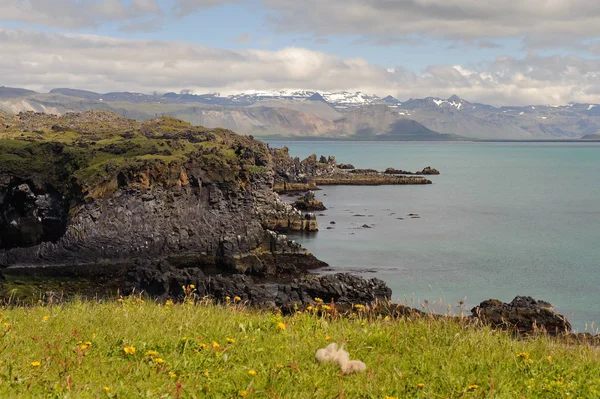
(499, 52)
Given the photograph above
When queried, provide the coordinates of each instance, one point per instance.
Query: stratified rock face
(524, 315)
(97, 188)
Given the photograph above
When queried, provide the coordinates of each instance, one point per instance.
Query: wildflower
(279, 366)
(172, 374)
(152, 353)
(88, 343)
(237, 298)
(184, 338)
(318, 300)
(158, 360)
(523, 355)
(420, 386)
(129, 350)
(227, 298)
(202, 345)
(106, 389)
(120, 300)
(358, 306)
(326, 307)
(139, 300)
(281, 326)
(36, 364)
(206, 373)
(243, 393)
(169, 302)
(46, 318)
(230, 341)
(390, 397)
(192, 286)
(253, 340)
(327, 338)
(549, 358)
(215, 345)
(309, 307)
(251, 372)
(473, 387)
(83, 347)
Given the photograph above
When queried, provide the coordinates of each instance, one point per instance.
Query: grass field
(130, 348)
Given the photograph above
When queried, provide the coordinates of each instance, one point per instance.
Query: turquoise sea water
(502, 219)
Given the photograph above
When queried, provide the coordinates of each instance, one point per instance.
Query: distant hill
(316, 114)
(591, 137)
(11, 92)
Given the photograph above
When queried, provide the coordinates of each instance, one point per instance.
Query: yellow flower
(279, 366)
(46, 318)
(106, 389)
(184, 338)
(88, 343)
(327, 338)
(158, 360)
(192, 286)
(129, 350)
(281, 326)
(139, 300)
(318, 300)
(237, 298)
(358, 306)
(230, 341)
(251, 372)
(523, 355)
(206, 373)
(473, 387)
(309, 307)
(390, 397)
(243, 393)
(152, 353)
(326, 307)
(215, 345)
(202, 345)
(120, 300)
(227, 298)
(172, 374)
(36, 364)
(420, 386)
(549, 358)
(169, 302)
(82, 347)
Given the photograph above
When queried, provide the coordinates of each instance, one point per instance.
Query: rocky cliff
(95, 188)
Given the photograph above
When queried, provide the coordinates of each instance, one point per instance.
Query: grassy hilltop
(133, 348)
(90, 149)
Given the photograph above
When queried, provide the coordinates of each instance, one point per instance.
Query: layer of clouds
(445, 19)
(72, 14)
(42, 61)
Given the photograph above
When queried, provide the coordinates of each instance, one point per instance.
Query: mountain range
(340, 115)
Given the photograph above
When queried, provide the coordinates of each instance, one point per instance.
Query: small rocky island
(96, 204)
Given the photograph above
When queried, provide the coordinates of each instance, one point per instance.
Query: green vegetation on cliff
(201, 350)
(91, 149)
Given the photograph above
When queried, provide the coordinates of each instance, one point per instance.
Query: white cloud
(387, 20)
(42, 61)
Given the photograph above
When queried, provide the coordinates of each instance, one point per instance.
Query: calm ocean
(502, 219)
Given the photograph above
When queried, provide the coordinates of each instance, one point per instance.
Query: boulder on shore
(523, 315)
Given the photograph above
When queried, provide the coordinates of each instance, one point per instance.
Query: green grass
(80, 347)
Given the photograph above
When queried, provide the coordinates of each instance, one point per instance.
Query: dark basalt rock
(308, 202)
(523, 315)
(346, 166)
(341, 288)
(426, 171)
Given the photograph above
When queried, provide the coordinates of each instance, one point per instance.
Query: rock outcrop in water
(428, 170)
(308, 202)
(292, 174)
